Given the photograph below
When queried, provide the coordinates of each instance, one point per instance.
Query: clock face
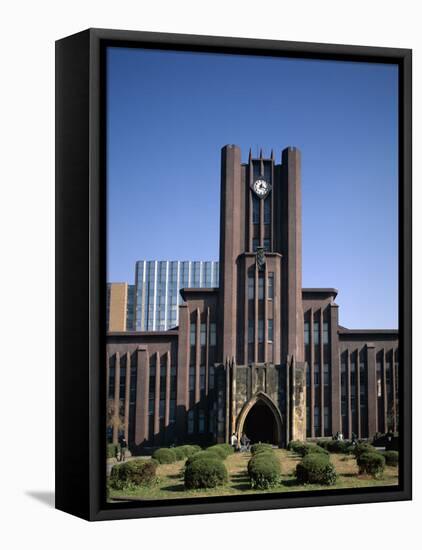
(261, 187)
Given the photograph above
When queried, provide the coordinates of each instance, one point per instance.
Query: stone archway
(261, 417)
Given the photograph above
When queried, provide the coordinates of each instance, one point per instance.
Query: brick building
(259, 354)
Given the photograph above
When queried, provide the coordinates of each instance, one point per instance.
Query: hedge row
(133, 473)
(112, 450)
(389, 440)
(391, 458)
(336, 446)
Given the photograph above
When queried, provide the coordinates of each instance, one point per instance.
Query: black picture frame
(81, 263)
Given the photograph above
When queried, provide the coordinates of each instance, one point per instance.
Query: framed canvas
(233, 274)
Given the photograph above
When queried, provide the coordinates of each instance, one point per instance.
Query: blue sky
(169, 114)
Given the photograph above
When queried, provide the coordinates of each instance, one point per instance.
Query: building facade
(120, 315)
(259, 354)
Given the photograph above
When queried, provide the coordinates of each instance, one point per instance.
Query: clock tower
(260, 298)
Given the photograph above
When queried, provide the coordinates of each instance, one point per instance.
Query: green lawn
(170, 479)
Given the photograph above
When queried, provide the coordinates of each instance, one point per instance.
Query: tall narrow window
(255, 244)
(267, 245)
(353, 399)
(255, 209)
(201, 421)
(261, 286)
(308, 421)
(202, 378)
(270, 330)
(267, 210)
(260, 331)
(316, 333)
(191, 378)
(203, 334)
(308, 376)
(203, 341)
(192, 383)
(343, 387)
(316, 374)
(173, 392)
(251, 331)
(325, 332)
(270, 285)
(111, 382)
(191, 422)
(307, 339)
(122, 389)
(251, 288)
(316, 419)
(163, 379)
(151, 400)
(211, 377)
(326, 374)
(213, 334)
(192, 342)
(326, 420)
(133, 379)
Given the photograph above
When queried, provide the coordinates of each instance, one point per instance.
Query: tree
(115, 417)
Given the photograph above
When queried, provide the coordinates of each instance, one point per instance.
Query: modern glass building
(158, 285)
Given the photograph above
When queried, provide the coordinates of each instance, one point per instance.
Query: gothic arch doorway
(261, 420)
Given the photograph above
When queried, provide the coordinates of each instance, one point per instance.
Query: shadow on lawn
(175, 476)
(173, 488)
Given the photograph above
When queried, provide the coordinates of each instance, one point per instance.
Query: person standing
(123, 447)
(244, 441)
(234, 441)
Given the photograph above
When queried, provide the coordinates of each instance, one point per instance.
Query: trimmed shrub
(133, 473)
(164, 456)
(259, 447)
(297, 447)
(371, 463)
(392, 444)
(264, 471)
(268, 456)
(205, 473)
(391, 458)
(314, 449)
(221, 449)
(179, 452)
(388, 440)
(216, 455)
(303, 448)
(335, 446)
(112, 450)
(316, 468)
(189, 450)
(361, 448)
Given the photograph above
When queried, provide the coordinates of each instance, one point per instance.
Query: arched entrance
(261, 420)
